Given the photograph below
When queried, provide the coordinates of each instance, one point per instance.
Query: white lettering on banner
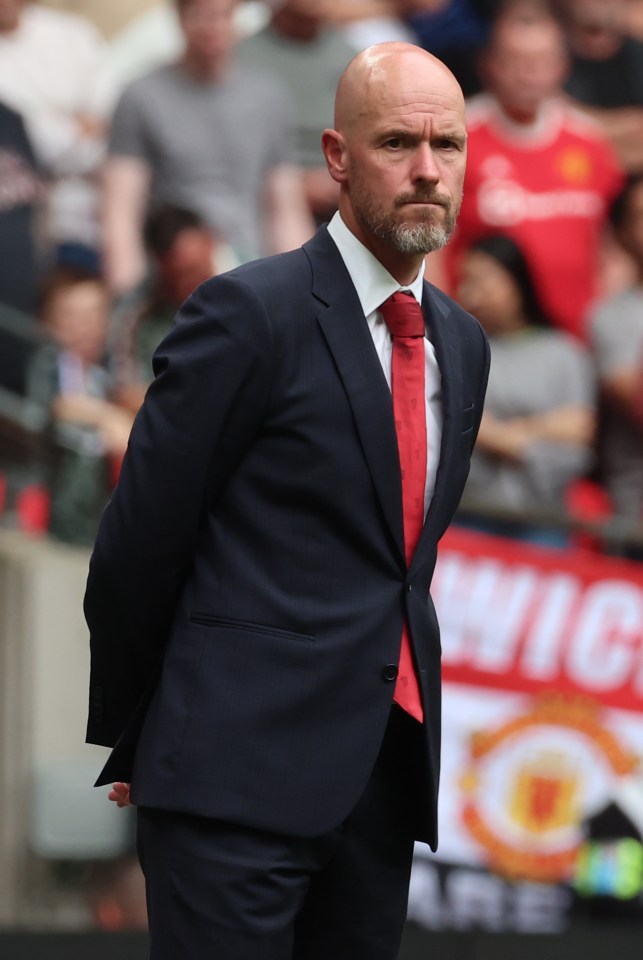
(605, 644)
(476, 901)
(468, 591)
(500, 632)
(504, 203)
(542, 653)
(503, 618)
(473, 899)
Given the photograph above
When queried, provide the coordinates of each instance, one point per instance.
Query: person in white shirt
(51, 72)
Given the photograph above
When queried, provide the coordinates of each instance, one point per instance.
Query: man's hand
(120, 795)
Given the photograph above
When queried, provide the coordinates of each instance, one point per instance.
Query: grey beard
(422, 238)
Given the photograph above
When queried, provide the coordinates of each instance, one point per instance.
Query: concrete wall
(49, 811)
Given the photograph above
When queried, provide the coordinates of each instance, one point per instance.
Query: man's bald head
(386, 67)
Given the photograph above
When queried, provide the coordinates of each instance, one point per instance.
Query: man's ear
(334, 147)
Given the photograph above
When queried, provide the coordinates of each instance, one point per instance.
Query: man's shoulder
(577, 124)
(267, 275)
(560, 122)
(55, 25)
(155, 83)
(611, 314)
(481, 111)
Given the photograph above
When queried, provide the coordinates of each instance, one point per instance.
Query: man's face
(78, 317)
(317, 9)
(300, 19)
(9, 15)
(208, 28)
(596, 29)
(525, 66)
(406, 157)
(188, 263)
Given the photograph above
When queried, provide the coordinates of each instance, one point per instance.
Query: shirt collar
(372, 281)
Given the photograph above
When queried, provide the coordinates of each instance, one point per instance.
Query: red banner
(524, 618)
(542, 705)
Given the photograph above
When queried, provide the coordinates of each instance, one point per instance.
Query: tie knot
(403, 315)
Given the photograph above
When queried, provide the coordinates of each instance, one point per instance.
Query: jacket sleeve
(208, 400)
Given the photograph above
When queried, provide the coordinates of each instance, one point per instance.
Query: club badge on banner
(542, 702)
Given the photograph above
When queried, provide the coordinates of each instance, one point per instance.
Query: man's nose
(424, 164)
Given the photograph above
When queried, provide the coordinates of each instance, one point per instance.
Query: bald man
(259, 610)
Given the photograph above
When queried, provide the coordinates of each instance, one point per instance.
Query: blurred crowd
(146, 146)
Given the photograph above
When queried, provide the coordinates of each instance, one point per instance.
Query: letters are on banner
(543, 700)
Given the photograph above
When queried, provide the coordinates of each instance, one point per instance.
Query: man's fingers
(120, 794)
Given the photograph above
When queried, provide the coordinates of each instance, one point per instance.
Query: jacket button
(96, 704)
(389, 673)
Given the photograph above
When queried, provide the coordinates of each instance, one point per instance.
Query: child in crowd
(89, 432)
(183, 253)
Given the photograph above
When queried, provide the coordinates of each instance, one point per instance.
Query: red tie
(403, 316)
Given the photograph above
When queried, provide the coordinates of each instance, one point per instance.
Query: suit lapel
(447, 351)
(351, 345)
(349, 340)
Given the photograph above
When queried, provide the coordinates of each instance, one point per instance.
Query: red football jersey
(547, 187)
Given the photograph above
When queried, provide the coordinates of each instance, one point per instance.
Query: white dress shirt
(374, 284)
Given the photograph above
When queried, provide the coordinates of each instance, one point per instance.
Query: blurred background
(147, 145)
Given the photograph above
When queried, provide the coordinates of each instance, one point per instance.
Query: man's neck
(203, 71)
(6, 29)
(299, 29)
(521, 118)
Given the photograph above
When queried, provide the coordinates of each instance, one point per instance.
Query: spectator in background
(537, 169)
(184, 254)
(367, 22)
(20, 196)
(537, 427)
(453, 30)
(209, 135)
(616, 330)
(606, 74)
(50, 72)
(309, 56)
(634, 16)
(152, 36)
(90, 433)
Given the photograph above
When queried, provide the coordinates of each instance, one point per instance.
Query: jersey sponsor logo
(574, 165)
(503, 203)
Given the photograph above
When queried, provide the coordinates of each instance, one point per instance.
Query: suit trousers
(222, 891)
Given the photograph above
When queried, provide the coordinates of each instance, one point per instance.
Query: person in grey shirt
(208, 135)
(616, 331)
(537, 429)
(308, 55)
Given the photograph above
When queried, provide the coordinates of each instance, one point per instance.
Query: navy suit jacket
(248, 585)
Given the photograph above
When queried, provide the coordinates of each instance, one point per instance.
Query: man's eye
(394, 143)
